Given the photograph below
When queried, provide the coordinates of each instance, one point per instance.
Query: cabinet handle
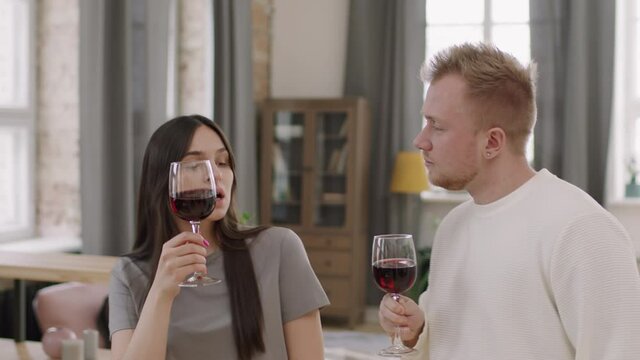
(327, 263)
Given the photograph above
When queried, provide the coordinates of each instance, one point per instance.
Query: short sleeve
(122, 306)
(300, 289)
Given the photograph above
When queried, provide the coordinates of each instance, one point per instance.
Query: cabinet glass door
(286, 174)
(332, 154)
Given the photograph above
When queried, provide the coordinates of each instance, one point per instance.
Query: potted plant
(633, 188)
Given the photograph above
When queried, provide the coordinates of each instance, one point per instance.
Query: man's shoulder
(555, 192)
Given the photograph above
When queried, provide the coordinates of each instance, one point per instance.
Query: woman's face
(207, 145)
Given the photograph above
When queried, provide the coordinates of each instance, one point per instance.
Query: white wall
(309, 41)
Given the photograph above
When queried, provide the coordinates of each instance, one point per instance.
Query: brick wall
(261, 12)
(57, 121)
(192, 54)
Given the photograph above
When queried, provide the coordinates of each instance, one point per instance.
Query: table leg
(19, 311)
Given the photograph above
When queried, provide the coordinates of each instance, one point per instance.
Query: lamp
(409, 177)
(409, 173)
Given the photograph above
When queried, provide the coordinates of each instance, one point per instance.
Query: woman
(267, 306)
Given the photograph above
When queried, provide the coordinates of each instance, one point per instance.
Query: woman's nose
(217, 174)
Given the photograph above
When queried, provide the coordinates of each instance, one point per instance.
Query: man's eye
(434, 126)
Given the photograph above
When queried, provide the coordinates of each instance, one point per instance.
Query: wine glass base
(196, 279)
(395, 351)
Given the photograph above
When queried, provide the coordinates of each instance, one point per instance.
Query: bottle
(90, 337)
(72, 349)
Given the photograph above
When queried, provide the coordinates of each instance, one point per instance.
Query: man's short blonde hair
(501, 88)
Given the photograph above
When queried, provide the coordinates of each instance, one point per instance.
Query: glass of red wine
(192, 195)
(393, 261)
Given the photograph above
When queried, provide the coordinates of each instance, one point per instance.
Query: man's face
(450, 144)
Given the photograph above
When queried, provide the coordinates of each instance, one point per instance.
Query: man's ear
(495, 143)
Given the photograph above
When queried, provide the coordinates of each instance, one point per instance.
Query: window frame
(23, 119)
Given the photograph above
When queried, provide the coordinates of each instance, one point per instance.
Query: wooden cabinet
(314, 176)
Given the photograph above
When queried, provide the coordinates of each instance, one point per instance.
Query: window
(504, 23)
(625, 126)
(16, 117)
(632, 123)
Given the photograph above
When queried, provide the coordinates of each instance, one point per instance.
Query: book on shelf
(281, 187)
(338, 160)
(342, 160)
(333, 161)
(344, 128)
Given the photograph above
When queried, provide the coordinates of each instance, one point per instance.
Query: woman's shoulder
(277, 233)
(129, 269)
(276, 239)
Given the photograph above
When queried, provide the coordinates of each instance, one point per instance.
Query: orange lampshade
(409, 173)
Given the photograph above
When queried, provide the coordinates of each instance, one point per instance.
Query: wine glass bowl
(395, 276)
(393, 264)
(192, 197)
(193, 205)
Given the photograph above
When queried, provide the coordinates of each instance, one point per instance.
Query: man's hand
(404, 313)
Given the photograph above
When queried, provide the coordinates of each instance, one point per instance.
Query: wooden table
(32, 350)
(52, 267)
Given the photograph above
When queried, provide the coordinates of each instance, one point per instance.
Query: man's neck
(499, 178)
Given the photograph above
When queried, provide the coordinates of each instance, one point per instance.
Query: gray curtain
(386, 47)
(233, 94)
(573, 43)
(123, 49)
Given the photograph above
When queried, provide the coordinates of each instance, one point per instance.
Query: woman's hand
(184, 254)
(404, 313)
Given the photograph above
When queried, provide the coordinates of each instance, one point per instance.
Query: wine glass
(393, 261)
(192, 194)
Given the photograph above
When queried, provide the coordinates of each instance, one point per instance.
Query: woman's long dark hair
(155, 225)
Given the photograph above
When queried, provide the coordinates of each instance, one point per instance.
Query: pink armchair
(72, 305)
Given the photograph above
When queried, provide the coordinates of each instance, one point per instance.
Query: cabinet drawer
(330, 262)
(338, 292)
(327, 242)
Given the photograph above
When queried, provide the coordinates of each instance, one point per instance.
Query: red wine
(395, 275)
(193, 205)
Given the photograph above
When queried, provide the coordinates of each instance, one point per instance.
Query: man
(531, 267)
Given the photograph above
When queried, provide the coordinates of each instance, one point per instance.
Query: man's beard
(453, 183)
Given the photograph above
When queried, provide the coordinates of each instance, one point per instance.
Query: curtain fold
(386, 47)
(123, 46)
(233, 94)
(573, 44)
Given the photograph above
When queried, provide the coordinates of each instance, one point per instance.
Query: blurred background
(83, 84)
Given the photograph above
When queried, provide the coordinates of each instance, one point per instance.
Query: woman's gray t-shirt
(200, 325)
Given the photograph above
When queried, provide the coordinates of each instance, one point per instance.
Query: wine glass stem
(396, 340)
(195, 226)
